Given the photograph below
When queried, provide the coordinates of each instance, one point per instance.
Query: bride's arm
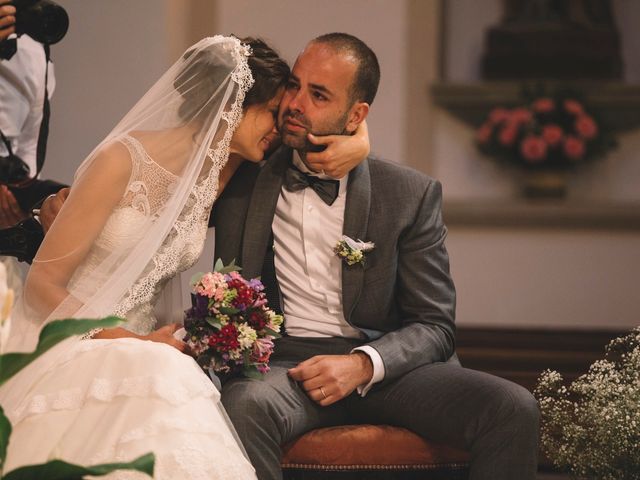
(93, 198)
(89, 204)
(161, 335)
(343, 152)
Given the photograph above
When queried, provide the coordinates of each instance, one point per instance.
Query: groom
(371, 342)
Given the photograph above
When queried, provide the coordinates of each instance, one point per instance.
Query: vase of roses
(545, 139)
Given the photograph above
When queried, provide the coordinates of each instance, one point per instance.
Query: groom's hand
(329, 378)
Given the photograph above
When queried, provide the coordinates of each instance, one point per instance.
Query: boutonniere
(352, 251)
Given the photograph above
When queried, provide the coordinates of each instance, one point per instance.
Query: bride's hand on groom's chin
(327, 379)
(342, 152)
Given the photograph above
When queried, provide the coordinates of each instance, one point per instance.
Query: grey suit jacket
(403, 299)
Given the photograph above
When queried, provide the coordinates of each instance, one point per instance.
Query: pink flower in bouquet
(262, 350)
(483, 135)
(574, 148)
(552, 134)
(533, 149)
(543, 105)
(521, 115)
(507, 136)
(573, 107)
(212, 285)
(499, 115)
(586, 127)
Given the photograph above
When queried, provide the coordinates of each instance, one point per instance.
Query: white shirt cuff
(378, 368)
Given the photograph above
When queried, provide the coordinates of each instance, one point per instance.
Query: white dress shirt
(22, 98)
(305, 231)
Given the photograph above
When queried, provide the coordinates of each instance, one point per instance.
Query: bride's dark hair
(270, 73)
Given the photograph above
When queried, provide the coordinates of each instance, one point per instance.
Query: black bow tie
(327, 190)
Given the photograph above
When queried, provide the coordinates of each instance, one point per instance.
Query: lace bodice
(148, 189)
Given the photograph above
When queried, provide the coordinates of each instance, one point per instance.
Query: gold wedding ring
(322, 392)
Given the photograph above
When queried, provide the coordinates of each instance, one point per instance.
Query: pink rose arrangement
(548, 133)
(229, 327)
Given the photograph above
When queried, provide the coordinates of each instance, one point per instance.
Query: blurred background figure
(27, 81)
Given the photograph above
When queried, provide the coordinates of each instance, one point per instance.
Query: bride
(136, 216)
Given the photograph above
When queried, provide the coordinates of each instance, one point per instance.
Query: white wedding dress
(102, 401)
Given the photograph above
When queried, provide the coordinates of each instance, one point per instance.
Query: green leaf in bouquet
(51, 335)
(252, 372)
(5, 432)
(273, 333)
(246, 358)
(59, 470)
(228, 310)
(222, 268)
(214, 322)
(195, 278)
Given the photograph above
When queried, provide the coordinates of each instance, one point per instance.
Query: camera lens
(43, 20)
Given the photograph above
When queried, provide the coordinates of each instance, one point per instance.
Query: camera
(12, 168)
(43, 20)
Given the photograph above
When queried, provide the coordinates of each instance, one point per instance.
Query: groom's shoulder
(393, 174)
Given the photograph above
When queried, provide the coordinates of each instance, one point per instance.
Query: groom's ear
(357, 114)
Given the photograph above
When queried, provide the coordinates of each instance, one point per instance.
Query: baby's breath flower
(592, 427)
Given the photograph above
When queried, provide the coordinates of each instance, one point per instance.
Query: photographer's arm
(10, 211)
(7, 19)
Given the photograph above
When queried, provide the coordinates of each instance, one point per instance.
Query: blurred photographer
(27, 81)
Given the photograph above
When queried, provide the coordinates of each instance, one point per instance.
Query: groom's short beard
(302, 144)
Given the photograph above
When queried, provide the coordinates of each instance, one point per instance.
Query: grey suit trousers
(494, 419)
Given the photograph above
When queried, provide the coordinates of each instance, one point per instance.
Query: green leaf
(214, 322)
(228, 310)
(246, 357)
(195, 278)
(218, 265)
(221, 268)
(273, 333)
(59, 470)
(51, 335)
(5, 432)
(252, 372)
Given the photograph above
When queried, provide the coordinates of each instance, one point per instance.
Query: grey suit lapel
(261, 211)
(356, 219)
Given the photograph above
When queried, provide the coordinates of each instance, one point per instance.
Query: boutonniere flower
(352, 251)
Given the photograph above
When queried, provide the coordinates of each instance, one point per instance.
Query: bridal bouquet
(592, 426)
(229, 326)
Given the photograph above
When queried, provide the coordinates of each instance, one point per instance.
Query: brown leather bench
(371, 452)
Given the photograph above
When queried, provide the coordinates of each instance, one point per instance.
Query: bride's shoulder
(110, 161)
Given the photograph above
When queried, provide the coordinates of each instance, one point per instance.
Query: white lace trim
(190, 461)
(105, 390)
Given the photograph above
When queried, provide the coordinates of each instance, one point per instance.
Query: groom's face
(317, 97)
